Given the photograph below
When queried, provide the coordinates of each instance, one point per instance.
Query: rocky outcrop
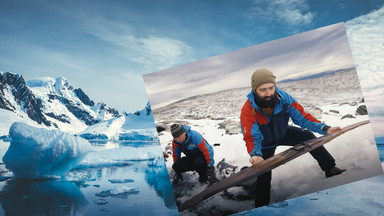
(22, 96)
(108, 109)
(83, 97)
(361, 110)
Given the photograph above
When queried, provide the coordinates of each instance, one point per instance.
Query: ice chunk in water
(42, 153)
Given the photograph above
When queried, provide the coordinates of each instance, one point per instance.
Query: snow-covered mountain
(128, 126)
(54, 103)
(66, 106)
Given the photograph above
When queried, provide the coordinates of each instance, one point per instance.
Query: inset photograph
(264, 124)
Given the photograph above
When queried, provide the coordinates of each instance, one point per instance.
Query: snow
(148, 134)
(53, 91)
(140, 119)
(116, 129)
(45, 86)
(41, 153)
(8, 118)
(133, 126)
(108, 129)
(102, 114)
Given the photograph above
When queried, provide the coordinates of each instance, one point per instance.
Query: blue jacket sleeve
(204, 147)
(302, 118)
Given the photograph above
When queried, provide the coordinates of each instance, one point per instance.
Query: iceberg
(138, 126)
(108, 129)
(148, 134)
(42, 153)
(120, 156)
(121, 192)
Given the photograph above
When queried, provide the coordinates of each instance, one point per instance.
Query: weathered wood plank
(266, 165)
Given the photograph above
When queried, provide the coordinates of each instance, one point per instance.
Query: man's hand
(255, 160)
(332, 130)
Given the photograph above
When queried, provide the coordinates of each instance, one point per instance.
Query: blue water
(134, 189)
(380, 148)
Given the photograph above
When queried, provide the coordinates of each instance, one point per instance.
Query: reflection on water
(380, 148)
(137, 188)
(158, 178)
(25, 197)
(109, 144)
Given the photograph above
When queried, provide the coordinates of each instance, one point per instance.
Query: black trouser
(191, 163)
(294, 136)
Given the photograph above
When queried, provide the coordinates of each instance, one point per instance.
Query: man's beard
(264, 103)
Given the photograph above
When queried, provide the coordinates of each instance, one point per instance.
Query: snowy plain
(216, 117)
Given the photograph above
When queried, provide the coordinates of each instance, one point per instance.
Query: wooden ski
(265, 166)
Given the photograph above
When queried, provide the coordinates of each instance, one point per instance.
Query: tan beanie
(262, 76)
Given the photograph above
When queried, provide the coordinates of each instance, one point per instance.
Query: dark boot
(333, 171)
(211, 175)
(203, 177)
(177, 177)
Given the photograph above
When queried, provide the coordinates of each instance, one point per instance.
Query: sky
(315, 51)
(104, 47)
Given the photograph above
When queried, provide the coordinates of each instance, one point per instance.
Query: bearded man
(264, 123)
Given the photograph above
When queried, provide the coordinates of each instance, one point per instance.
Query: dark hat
(177, 130)
(262, 76)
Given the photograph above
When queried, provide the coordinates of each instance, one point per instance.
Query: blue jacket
(261, 130)
(193, 145)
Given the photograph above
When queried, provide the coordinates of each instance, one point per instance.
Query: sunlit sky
(104, 47)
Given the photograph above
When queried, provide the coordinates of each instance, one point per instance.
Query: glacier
(120, 156)
(137, 126)
(42, 153)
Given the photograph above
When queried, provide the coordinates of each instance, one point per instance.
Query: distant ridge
(318, 75)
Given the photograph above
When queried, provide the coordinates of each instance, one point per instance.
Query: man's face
(266, 95)
(181, 138)
(266, 91)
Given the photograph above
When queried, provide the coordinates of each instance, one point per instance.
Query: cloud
(162, 52)
(292, 13)
(152, 52)
(365, 34)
